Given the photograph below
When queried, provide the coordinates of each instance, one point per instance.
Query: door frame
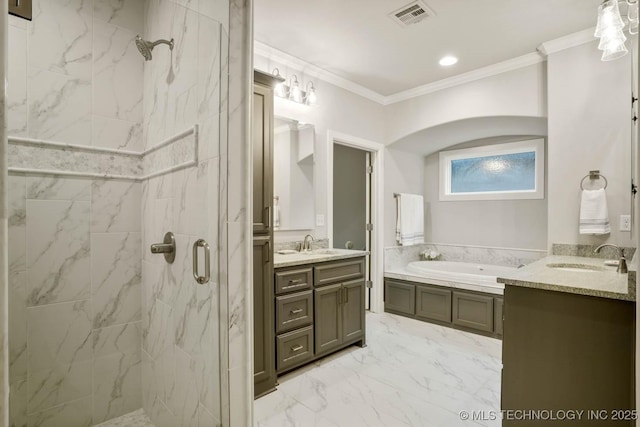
(377, 212)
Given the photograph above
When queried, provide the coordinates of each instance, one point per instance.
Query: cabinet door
(433, 303)
(399, 297)
(262, 153)
(497, 314)
(263, 351)
(328, 317)
(473, 311)
(352, 310)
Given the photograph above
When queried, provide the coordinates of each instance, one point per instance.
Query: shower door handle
(200, 243)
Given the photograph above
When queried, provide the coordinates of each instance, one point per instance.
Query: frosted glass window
(493, 172)
(509, 172)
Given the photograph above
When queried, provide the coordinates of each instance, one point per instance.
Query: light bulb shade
(312, 99)
(614, 52)
(607, 43)
(296, 93)
(608, 17)
(279, 90)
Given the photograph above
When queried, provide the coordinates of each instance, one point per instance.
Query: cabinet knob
(296, 311)
(297, 348)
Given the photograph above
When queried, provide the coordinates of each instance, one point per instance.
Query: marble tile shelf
(43, 157)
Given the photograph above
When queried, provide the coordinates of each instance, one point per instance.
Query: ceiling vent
(412, 13)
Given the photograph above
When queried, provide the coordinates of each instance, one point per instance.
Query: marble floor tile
(410, 374)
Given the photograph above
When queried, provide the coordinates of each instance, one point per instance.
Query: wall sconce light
(610, 27)
(311, 97)
(293, 91)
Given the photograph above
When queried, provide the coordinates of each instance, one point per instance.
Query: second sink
(576, 268)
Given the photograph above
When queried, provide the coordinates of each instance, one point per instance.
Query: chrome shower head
(145, 47)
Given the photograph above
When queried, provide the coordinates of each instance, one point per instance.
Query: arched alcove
(436, 138)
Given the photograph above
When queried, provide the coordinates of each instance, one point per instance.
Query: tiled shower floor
(133, 419)
(410, 374)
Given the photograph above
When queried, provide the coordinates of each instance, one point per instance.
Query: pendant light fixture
(611, 25)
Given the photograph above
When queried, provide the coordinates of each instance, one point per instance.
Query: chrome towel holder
(594, 175)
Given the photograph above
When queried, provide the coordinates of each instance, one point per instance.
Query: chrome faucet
(306, 245)
(622, 264)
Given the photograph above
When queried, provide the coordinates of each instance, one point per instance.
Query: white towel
(594, 215)
(410, 223)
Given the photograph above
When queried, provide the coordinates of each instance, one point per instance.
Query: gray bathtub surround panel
(295, 244)
(400, 256)
(589, 251)
(402, 273)
(604, 284)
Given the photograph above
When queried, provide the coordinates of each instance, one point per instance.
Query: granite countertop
(319, 255)
(605, 284)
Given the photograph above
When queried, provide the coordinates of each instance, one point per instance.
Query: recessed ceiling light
(448, 61)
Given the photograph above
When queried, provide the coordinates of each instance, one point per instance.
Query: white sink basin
(577, 268)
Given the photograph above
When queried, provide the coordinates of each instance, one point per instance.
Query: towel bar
(593, 175)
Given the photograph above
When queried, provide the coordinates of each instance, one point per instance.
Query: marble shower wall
(181, 341)
(74, 288)
(75, 77)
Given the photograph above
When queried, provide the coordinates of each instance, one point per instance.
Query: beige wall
(519, 92)
(404, 173)
(337, 110)
(589, 128)
(499, 223)
(585, 99)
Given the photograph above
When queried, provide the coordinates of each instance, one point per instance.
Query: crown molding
(567, 42)
(477, 74)
(545, 49)
(291, 61)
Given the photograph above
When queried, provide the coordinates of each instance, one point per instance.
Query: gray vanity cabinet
(399, 297)
(339, 311)
(294, 311)
(353, 310)
(498, 303)
(319, 309)
(473, 311)
(339, 303)
(563, 350)
(263, 351)
(328, 325)
(262, 148)
(263, 313)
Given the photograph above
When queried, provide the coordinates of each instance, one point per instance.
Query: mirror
(293, 158)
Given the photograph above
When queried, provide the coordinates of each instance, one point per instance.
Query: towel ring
(594, 175)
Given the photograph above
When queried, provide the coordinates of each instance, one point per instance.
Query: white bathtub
(460, 272)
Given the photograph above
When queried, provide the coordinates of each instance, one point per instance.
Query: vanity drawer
(341, 271)
(294, 348)
(294, 311)
(293, 280)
